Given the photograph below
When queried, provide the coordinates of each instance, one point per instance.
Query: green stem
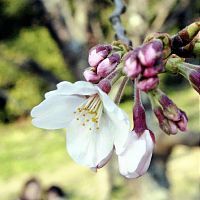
(120, 91)
(153, 99)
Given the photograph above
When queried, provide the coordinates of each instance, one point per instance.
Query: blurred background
(43, 42)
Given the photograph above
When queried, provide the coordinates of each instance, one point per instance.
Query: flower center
(89, 112)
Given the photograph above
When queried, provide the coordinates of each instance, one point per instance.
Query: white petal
(77, 88)
(120, 128)
(130, 158)
(105, 160)
(145, 162)
(61, 87)
(108, 103)
(87, 147)
(120, 121)
(55, 111)
(135, 160)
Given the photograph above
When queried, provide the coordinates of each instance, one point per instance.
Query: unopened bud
(105, 85)
(106, 66)
(132, 66)
(149, 53)
(194, 78)
(170, 110)
(152, 71)
(166, 125)
(182, 123)
(91, 76)
(98, 53)
(148, 84)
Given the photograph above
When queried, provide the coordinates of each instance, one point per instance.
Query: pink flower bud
(106, 66)
(170, 110)
(134, 161)
(149, 53)
(182, 123)
(152, 71)
(166, 125)
(98, 53)
(194, 78)
(132, 67)
(148, 83)
(91, 76)
(105, 85)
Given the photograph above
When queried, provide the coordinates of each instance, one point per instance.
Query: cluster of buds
(170, 117)
(145, 63)
(159, 53)
(102, 62)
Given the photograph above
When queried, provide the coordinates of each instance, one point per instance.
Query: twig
(120, 34)
(115, 20)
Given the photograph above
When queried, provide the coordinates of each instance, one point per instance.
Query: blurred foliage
(25, 89)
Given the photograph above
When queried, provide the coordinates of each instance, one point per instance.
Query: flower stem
(121, 90)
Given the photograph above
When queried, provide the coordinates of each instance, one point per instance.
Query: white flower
(135, 160)
(95, 125)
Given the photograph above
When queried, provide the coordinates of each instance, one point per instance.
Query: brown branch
(115, 20)
(120, 34)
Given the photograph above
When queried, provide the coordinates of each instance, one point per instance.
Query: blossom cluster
(96, 126)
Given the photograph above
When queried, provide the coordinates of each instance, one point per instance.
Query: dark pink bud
(182, 123)
(194, 77)
(166, 125)
(105, 85)
(106, 66)
(139, 119)
(91, 76)
(148, 83)
(170, 110)
(132, 66)
(149, 53)
(98, 53)
(152, 71)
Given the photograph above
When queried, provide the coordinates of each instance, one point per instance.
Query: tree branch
(73, 51)
(115, 20)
